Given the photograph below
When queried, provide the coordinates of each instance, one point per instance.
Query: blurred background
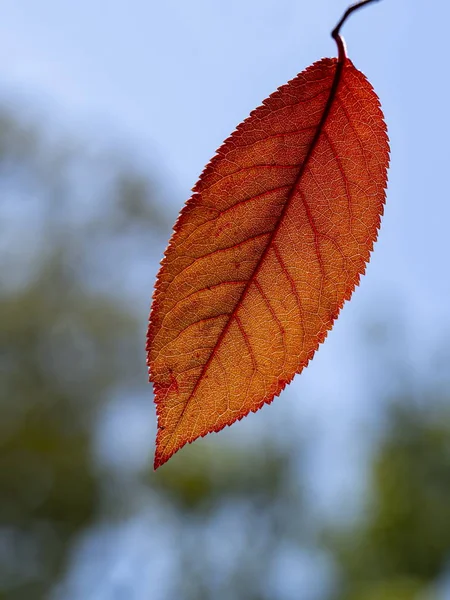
(340, 489)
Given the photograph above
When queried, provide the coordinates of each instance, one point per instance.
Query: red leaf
(272, 242)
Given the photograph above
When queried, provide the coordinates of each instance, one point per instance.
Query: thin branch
(336, 35)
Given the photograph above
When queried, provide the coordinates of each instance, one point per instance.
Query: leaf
(274, 239)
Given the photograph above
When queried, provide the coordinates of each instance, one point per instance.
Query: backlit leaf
(272, 242)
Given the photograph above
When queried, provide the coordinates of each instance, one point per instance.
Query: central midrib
(333, 91)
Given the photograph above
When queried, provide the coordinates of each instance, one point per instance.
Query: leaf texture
(274, 239)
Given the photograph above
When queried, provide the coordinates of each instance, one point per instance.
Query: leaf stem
(336, 35)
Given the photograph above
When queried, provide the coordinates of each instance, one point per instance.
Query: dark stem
(336, 35)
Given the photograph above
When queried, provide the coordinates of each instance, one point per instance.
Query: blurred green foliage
(64, 345)
(221, 475)
(401, 544)
(73, 222)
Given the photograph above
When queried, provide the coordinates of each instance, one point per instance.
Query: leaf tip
(159, 460)
(162, 455)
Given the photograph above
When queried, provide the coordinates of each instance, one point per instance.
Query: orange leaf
(272, 242)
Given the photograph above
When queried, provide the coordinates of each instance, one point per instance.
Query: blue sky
(174, 78)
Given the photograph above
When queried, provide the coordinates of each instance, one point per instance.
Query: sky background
(172, 79)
